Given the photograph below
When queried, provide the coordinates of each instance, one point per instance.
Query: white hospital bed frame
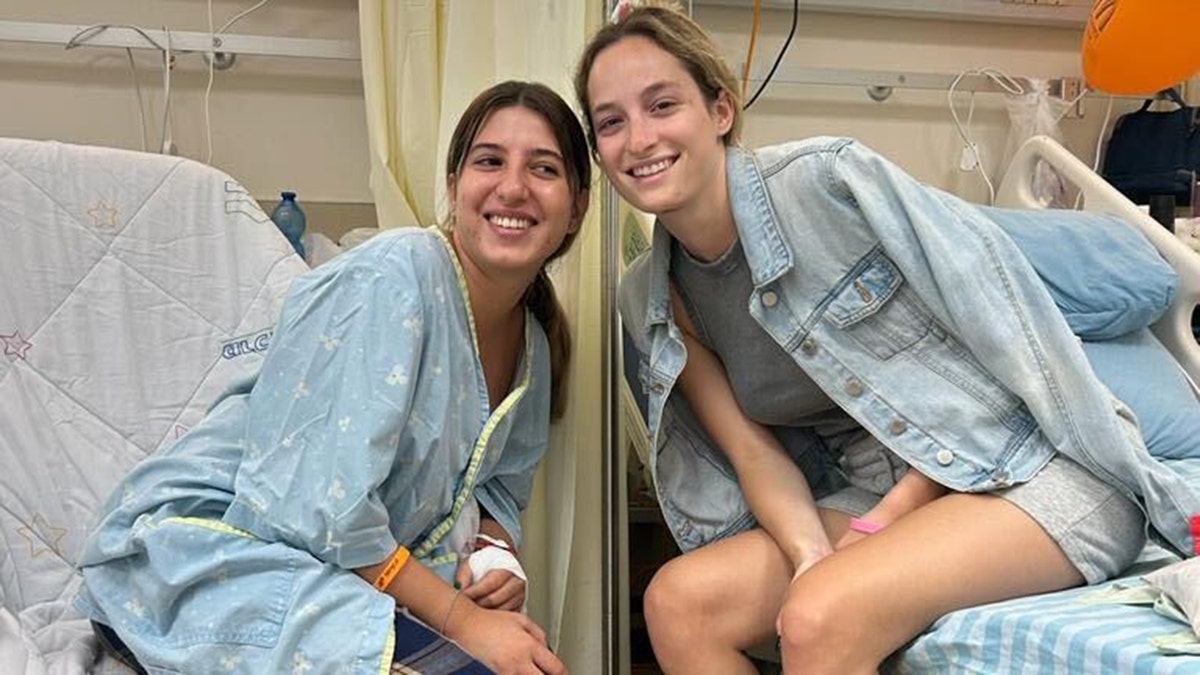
(1174, 329)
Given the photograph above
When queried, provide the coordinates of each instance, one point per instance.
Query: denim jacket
(917, 314)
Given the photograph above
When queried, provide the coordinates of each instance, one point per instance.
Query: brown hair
(540, 297)
(677, 34)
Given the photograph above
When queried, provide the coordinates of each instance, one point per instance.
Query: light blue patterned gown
(369, 425)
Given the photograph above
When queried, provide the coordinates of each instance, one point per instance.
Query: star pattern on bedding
(15, 346)
(42, 537)
(180, 430)
(104, 215)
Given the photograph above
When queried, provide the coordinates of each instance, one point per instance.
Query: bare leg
(707, 606)
(852, 609)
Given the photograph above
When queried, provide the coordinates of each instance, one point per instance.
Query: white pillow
(1181, 582)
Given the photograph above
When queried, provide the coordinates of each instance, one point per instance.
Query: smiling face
(659, 141)
(513, 204)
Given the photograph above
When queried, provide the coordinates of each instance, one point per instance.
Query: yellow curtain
(422, 63)
(400, 42)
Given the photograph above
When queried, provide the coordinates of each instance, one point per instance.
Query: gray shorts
(1099, 529)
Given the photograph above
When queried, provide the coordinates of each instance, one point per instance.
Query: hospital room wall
(299, 123)
(276, 123)
(913, 127)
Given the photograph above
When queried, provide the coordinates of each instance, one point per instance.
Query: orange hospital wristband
(393, 567)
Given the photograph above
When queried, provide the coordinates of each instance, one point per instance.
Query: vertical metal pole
(613, 565)
(611, 442)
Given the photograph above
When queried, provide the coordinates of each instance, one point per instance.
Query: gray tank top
(768, 384)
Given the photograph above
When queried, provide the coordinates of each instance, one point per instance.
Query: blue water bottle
(289, 217)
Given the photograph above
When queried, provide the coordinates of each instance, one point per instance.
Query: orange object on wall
(1141, 46)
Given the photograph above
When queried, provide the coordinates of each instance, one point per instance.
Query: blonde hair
(539, 297)
(676, 33)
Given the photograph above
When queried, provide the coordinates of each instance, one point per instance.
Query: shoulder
(421, 249)
(793, 155)
(410, 258)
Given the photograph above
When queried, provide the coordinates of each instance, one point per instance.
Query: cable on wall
(754, 26)
(208, 89)
(779, 57)
(216, 60)
(137, 88)
(241, 15)
(83, 35)
(167, 145)
(973, 160)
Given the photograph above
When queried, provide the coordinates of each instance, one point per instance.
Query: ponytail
(540, 300)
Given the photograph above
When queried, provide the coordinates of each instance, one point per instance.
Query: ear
(452, 189)
(579, 210)
(723, 112)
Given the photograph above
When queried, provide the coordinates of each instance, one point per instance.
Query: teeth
(509, 223)
(651, 169)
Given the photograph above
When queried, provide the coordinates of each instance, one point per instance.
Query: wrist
(806, 554)
(883, 514)
(459, 615)
(483, 541)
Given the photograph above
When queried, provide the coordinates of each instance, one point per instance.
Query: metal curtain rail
(191, 41)
(882, 79)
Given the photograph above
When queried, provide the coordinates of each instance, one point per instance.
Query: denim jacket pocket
(875, 307)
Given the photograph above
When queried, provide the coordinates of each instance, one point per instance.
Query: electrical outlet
(1072, 87)
(969, 158)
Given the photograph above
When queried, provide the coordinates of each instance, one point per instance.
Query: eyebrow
(496, 147)
(649, 92)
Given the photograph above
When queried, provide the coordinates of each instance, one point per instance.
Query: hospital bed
(1062, 633)
(133, 289)
(1056, 633)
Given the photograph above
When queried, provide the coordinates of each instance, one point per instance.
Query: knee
(810, 627)
(672, 603)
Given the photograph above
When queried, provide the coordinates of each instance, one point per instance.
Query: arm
(911, 492)
(324, 409)
(775, 488)
(505, 641)
(500, 587)
(489, 526)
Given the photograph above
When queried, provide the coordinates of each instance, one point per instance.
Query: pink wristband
(865, 526)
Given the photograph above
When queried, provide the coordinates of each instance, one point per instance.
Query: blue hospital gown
(368, 425)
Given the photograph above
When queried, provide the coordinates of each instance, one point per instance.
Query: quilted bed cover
(133, 289)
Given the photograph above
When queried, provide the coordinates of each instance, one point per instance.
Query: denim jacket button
(808, 346)
(854, 387)
(897, 427)
(944, 457)
(769, 299)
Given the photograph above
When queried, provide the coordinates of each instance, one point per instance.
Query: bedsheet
(133, 289)
(1055, 633)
